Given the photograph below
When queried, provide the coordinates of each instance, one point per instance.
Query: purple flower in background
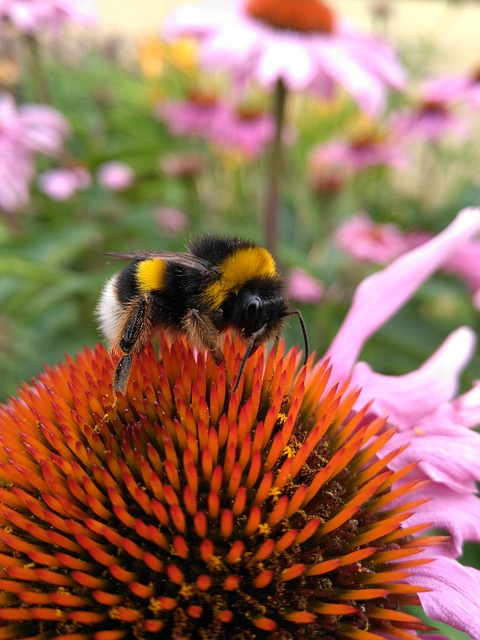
(220, 123)
(303, 44)
(431, 418)
(192, 117)
(61, 184)
(172, 221)
(36, 128)
(359, 154)
(431, 119)
(32, 16)
(453, 89)
(302, 287)
(25, 131)
(244, 130)
(366, 241)
(115, 176)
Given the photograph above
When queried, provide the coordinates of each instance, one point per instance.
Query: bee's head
(258, 309)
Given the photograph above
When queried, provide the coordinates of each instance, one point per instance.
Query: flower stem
(274, 169)
(37, 69)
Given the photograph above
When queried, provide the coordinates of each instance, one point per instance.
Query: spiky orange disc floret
(306, 16)
(186, 512)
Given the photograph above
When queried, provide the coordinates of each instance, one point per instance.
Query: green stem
(275, 169)
(39, 78)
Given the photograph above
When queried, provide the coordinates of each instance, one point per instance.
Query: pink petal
(381, 295)
(459, 514)
(408, 398)
(455, 594)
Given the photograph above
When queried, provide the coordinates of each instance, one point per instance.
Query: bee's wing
(184, 259)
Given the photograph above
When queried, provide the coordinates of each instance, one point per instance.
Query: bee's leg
(203, 334)
(134, 336)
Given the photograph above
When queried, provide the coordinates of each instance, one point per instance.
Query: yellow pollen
(187, 590)
(264, 529)
(275, 492)
(155, 606)
(215, 563)
(151, 275)
(237, 269)
(289, 451)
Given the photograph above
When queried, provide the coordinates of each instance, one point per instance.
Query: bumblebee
(220, 283)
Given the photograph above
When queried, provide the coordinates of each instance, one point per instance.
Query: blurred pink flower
(16, 172)
(171, 220)
(302, 287)
(190, 117)
(302, 44)
(429, 120)
(241, 130)
(360, 154)
(115, 176)
(223, 125)
(33, 127)
(25, 131)
(456, 88)
(61, 184)
(32, 16)
(366, 241)
(430, 417)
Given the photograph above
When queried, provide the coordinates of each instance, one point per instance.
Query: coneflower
(191, 513)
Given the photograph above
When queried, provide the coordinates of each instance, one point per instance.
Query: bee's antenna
(298, 313)
(247, 354)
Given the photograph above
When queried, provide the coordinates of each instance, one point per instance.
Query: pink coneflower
(289, 45)
(62, 184)
(302, 287)
(115, 175)
(191, 117)
(302, 44)
(432, 420)
(455, 89)
(429, 120)
(360, 154)
(242, 129)
(223, 125)
(366, 241)
(25, 130)
(33, 16)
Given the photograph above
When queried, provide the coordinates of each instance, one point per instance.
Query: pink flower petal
(458, 514)
(408, 398)
(381, 295)
(455, 594)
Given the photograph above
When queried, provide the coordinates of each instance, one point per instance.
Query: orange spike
(226, 523)
(253, 521)
(300, 617)
(235, 553)
(231, 582)
(263, 579)
(200, 524)
(206, 550)
(264, 551)
(264, 624)
(293, 572)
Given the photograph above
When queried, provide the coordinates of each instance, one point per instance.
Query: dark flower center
(306, 16)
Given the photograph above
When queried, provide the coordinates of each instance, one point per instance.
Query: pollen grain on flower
(192, 513)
